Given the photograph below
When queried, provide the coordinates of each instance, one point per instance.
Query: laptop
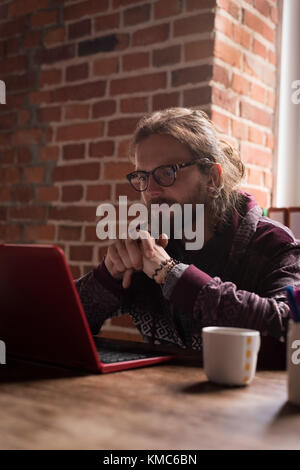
(42, 318)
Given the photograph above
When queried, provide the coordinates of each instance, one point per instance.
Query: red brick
(8, 121)
(38, 97)
(192, 5)
(88, 7)
(152, 35)
(163, 9)
(136, 15)
(241, 36)
(75, 213)
(106, 66)
(19, 7)
(28, 213)
(87, 171)
(77, 72)
(221, 121)
(225, 99)
(254, 176)
(24, 117)
(224, 25)
(261, 69)
(50, 114)
(23, 193)
(34, 174)
(270, 141)
(77, 111)
(271, 98)
(259, 48)
(122, 126)
(263, 7)
(81, 253)
(7, 157)
(105, 22)
(5, 194)
(16, 100)
(23, 155)
(197, 96)
(272, 57)
(55, 54)
(10, 233)
(27, 137)
(3, 213)
(221, 75)
(255, 155)
(101, 148)
(195, 74)
(166, 56)
(268, 180)
(240, 84)
(87, 130)
(73, 151)
(198, 49)
(13, 64)
(258, 93)
(40, 232)
(231, 7)
(84, 91)
(54, 36)
(79, 29)
(103, 108)
(90, 234)
(100, 192)
(11, 46)
(129, 85)
(229, 54)
(49, 153)
(117, 170)
(165, 100)
(194, 24)
(274, 14)
(75, 271)
(69, 233)
(135, 61)
(5, 140)
(121, 3)
(47, 193)
(123, 148)
(43, 18)
(72, 193)
(256, 136)
(32, 39)
(255, 114)
(13, 28)
(254, 22)
(50, 77)
(134, 105)
(239, 129)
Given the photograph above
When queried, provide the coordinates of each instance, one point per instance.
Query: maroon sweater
(236, 279)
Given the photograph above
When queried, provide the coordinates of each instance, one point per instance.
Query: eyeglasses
(164, 175)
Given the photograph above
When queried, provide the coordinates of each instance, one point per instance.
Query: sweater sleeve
(100, 296)
(213, 302)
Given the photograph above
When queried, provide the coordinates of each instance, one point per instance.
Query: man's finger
(127, 278)
(163, 240)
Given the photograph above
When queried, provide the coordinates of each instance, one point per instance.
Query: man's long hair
(194, 129)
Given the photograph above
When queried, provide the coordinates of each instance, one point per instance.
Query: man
(236, 279)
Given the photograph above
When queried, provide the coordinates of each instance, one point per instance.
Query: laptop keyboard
(109, 354)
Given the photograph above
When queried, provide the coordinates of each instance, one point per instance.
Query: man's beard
(199, 196)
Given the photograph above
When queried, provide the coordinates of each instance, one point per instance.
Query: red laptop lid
(41, 316)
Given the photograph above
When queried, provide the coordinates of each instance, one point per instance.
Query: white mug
(230, 354)
(293, 362)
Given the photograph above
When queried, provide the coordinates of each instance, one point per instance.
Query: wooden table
(170, 406)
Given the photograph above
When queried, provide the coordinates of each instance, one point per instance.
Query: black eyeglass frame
(175, 168)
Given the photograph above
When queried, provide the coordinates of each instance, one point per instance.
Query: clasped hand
(124, 256)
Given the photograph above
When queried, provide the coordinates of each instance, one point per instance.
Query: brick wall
(78, 76)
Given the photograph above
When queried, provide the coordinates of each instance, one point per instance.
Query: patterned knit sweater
(237, 279)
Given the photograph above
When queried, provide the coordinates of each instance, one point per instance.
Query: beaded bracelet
(171, 262)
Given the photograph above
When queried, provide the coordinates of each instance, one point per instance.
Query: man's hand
(126, 256)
